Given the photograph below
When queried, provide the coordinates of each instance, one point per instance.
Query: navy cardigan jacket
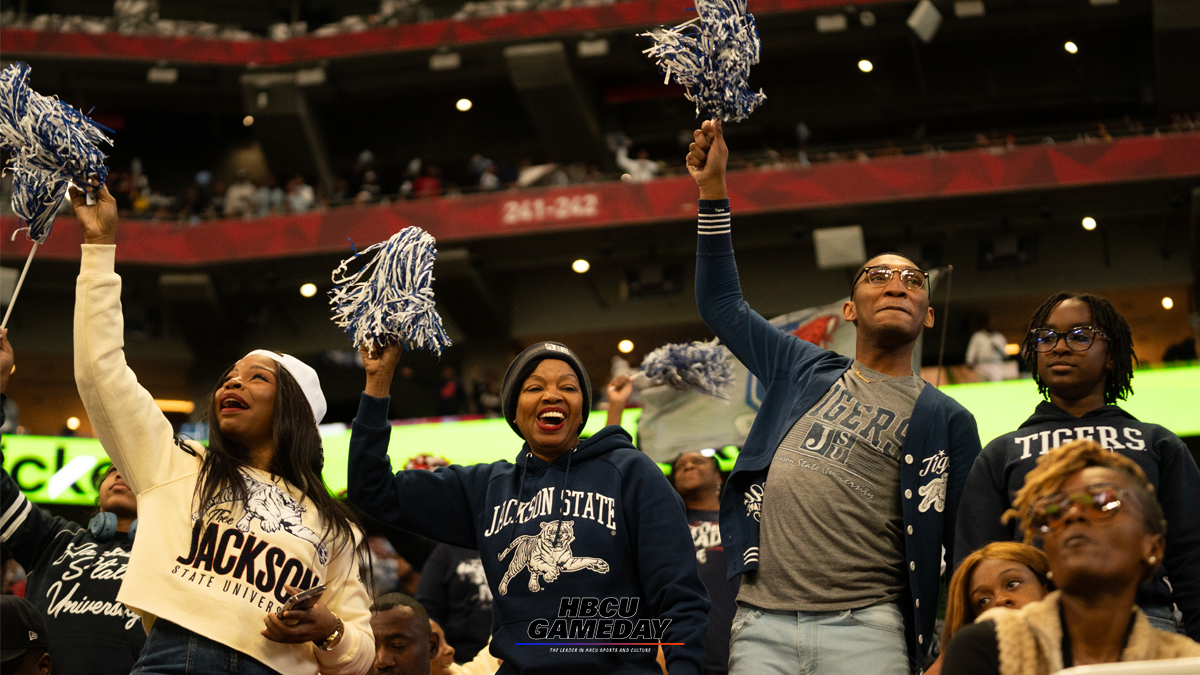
(939, 449)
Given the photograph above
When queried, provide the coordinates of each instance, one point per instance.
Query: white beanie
(304, 375)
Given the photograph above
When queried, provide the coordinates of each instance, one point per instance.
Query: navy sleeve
(431, 589)
(973, 651)
(666, 562)
(1179, 494)
(963, 451)
(437, 504)
(985, 499)
(760, 346)
(25, 530)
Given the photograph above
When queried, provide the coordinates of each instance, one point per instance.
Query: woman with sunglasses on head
(228, 533)
(1080, 351)
(1103, 532)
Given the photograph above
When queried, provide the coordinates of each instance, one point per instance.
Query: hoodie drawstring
(512, 533)
(563, 495)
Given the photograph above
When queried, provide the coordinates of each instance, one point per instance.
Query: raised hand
(380, 368)
(6, 360)
(706, 160)
(99, 220)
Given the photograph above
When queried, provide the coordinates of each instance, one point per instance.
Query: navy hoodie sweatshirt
(591, 548)
(1001, 468)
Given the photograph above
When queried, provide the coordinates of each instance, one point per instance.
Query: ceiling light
(464, 104)
(308, 290)
(581, 266)
(1071, 47)
(625, 346)
(1168, 303)
(248, 120)
(175, 406)
(1089, 223)
(72, 423)
(1012, 349)
(866, 66)
(445, 61)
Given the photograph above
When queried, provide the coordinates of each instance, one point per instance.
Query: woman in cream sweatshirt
(226, 533)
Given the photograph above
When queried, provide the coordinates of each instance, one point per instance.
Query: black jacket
(454, 591)
(1000, 472)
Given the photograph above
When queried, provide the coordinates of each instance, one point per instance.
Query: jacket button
(912, 566)
(918, 602)
(908, 459)
(910, 529)
(921, 639)
(908, 494)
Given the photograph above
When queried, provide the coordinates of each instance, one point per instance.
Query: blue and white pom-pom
(712, 60)
(52, 144)
(691, 366)
(389, 299)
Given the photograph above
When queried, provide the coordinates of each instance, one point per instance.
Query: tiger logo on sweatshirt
(546, 555)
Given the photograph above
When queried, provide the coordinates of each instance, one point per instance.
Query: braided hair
(1118, 383)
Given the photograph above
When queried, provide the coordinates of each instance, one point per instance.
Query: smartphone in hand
(312, 593)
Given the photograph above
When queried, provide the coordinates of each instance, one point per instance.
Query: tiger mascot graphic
(274, 509)
(546, 554)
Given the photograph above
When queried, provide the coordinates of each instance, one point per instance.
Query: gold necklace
(864, 379)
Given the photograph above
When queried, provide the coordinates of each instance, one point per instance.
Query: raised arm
(619, 391)
(436, 504)
(133, 431)
(764, 349)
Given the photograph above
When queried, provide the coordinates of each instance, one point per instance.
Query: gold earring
(1049, 574)
(1152, 560)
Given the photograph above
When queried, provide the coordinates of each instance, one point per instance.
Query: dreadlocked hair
(1118, 384)
(299, 459)
(1057, 466)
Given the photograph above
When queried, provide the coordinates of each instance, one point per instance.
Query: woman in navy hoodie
(585, 545)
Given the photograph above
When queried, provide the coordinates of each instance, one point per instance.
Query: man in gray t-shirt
(831, 533)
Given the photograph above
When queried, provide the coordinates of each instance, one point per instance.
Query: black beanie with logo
(525, 363)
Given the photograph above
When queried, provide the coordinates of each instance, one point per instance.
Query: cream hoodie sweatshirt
(218, 580)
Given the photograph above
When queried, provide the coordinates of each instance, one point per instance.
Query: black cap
(21, 628)
(525, 363)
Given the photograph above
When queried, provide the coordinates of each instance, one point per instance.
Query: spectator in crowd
(489, 180)
(641, 169)
(1080, 350)
(452, 399)
(454, 591)
(1184, 350)
(1103, 533)
(239, 198)
(444, 659)
(866, 465)
(389, 570)
(257, 485)
(429, 184)
(632, 544)
(268, 197)
(369, 190)
(1001, 574)
(300, 195)
(986, 351)
(24, 639)
(64, 560)
(404, 640)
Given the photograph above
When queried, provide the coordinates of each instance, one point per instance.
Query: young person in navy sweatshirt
(1080, 350)
(585, 545)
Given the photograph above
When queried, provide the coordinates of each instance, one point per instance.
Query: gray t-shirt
(831, 534)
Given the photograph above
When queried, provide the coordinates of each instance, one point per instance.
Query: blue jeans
(1163, 617)
(867, 641)
(173, 650)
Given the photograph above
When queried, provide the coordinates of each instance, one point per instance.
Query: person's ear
(45, 664)
(928, 318)
(434, 646)
(849, 311)
(1152, 553)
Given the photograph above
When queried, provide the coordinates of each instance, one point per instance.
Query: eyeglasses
(1079, 338)
(881, 275)
(1103, 498)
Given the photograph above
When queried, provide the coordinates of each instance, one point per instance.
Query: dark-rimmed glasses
(1100, 501)
(1079, 338)
(881, 275)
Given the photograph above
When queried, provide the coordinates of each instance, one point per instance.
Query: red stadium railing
(22, 42)
(968, 172)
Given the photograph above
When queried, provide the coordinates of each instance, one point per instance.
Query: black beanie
(525, 363)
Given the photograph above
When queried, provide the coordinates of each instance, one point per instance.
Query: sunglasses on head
(881, 275)
(1100, 501)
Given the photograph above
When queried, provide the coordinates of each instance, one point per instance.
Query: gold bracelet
(335, 637)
